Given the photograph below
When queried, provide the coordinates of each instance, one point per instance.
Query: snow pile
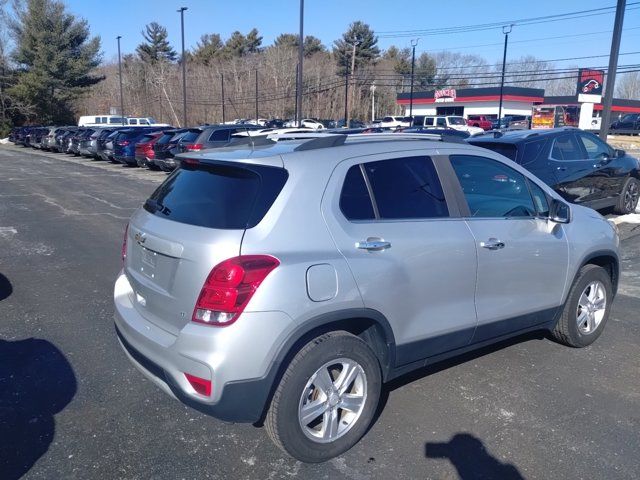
(4, 141)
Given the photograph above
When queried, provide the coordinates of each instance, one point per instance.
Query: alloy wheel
(591, 307)
(631, 197)
(332, 400)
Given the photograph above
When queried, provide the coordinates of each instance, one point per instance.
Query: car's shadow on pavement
(36, 382)
(6, 289)
(471, 459)
(436, 367)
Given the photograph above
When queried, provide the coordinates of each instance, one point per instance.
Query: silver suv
(284, 284)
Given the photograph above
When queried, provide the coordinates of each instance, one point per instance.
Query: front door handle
(373, 244)
(492, 244)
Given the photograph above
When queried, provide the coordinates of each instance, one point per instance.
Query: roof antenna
(242, 124)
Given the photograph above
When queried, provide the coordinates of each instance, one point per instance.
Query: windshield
(457, 121)
(629, 118)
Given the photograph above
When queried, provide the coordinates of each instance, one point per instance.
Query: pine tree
(156, 47)
(367, 51)
(290, 40)
(208, 49)
(54, 56)
(239, 45)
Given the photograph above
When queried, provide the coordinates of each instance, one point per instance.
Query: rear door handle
(373, 244)
(492, 244)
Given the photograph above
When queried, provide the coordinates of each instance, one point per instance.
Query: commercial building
(515, 101)
(473, 101)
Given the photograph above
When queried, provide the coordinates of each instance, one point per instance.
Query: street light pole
(299, 69)
(184, 70)
(353, 67)
(611, 71)
(506, 30)
(414, 42)
(120, 76)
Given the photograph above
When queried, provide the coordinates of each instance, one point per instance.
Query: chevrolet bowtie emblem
(140, 237)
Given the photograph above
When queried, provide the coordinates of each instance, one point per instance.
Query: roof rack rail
(324, 141)
(433, 137)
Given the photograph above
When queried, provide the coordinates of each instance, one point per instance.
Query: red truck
(479, 121)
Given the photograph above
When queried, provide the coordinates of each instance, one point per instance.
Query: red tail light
(200, 385)
(123, 143)
(193, 147)
(124, 243)
(229, 287)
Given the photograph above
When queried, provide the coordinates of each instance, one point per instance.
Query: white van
(113, 120)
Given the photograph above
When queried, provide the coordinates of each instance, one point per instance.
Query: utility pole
(373, 101)
(120, 76)
(296, 119)
(353, 67)
(299, 68)
(413, 64)
(184, 70)
(222, 88)
(256, 96)
(506, 30)
(346, 97)
(611, 71)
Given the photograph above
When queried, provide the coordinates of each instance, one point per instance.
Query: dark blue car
(576, 164)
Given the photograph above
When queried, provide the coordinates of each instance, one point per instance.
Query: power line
(494, 25)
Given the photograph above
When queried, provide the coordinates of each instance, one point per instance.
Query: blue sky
(328, 19)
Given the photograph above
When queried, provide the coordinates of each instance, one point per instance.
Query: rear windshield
(190, 136)
(147, 138)
(165, 137)
(218, 196)
(506, 149)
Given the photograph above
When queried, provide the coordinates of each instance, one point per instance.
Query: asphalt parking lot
(72, 406)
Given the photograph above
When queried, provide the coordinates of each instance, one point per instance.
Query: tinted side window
(428, 122)
(492, 189)
(565, 147)
(596, 148)
(441, 122)
(219, 136)
(531, 151)
(539, 199)
(406, 188)
(355, 202)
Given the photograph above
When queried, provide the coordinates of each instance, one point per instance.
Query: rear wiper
(154, 206)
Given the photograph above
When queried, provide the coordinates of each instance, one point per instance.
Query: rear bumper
(126, 159)
(165, 164)
(236, 360)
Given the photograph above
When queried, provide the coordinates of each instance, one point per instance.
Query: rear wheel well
(367, 329)
(610, 264)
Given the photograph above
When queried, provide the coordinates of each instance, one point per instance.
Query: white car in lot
(393, 122)
(450, 121)
(311, 123)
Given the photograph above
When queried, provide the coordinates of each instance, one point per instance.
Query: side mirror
(559, 212)
(618, 153)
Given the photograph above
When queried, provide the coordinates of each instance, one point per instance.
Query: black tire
(628, 199)
(566, 330)
(282, 422)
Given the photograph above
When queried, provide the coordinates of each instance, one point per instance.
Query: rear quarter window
(505, 149)
(221, 196)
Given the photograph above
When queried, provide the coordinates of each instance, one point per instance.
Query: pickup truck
(479, 121)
